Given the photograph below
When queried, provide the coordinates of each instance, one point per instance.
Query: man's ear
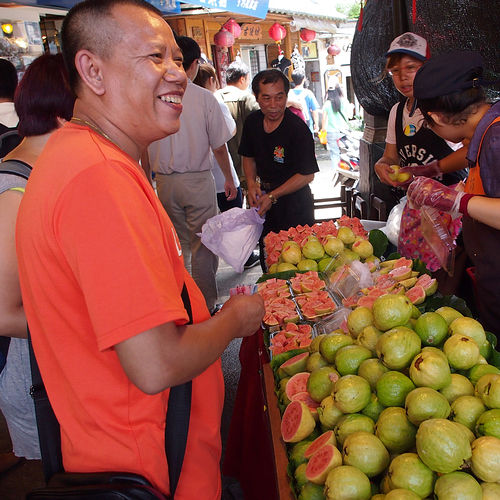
(89, 66)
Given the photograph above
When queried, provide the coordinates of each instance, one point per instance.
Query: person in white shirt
(183, 165)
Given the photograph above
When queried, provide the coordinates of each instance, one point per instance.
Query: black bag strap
(49, 432)
(177, 420)
(15, 167)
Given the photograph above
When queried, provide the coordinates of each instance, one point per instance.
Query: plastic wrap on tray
(332, 321)
(348, 280)
(438, 237)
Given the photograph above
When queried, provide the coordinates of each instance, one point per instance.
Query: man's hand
(424, 191)
(230, 190)
(264, 203)
(249, 309)
(253, 194)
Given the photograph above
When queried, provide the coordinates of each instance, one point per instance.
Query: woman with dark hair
(449, 94)
(334, 121)
(43, 102)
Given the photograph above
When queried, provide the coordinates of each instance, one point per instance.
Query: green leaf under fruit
(379, 242)
(437, 300)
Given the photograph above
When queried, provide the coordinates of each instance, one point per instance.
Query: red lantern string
(414, 11)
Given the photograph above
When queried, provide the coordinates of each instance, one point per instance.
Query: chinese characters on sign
(251, 31)
(254, 8)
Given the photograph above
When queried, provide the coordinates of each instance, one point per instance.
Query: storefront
(309, 28)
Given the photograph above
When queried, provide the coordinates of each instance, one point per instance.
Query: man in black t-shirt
(277, 147)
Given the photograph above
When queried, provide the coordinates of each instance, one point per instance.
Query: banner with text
(254, 8)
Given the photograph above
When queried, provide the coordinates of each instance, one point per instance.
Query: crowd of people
(111, 276)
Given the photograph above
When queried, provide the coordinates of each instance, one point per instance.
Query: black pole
(399, 17)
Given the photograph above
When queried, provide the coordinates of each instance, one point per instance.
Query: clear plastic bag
(393, 224)
(232, 235)
(437, 235)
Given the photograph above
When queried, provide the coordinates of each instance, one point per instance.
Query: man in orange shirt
(101, 266)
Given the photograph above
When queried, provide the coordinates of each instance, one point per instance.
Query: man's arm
(222, 157)
(296, 182)
(253, 188)
(169, 355)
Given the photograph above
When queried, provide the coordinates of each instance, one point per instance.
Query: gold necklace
(94, 127)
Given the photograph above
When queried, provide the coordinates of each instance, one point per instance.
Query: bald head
(90, 25)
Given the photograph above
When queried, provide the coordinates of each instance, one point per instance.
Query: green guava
(297, 422)
(441, 447)
(300, 475)
(373, 409)
(462, 352)
(432, 328)
(354, 422)
(401, 494)
(313, 250)
(358, 319)
(296, 364)
(330, 344)
(366, 452)
(347, 483)
(459, 386)
(466, 410)
(477, 371)
(485, 462)
(395, 430)
(458, 486)
(488, 389)
(397, 347)
(314, 345)
(391, 310)
(392, 388)
(369, 337)
(349, 358)
(351, 393)
(307, 265)
(315, 361)
(424, 403)
(491, 491)
(363, 248)
(328, 413)
(469, 327)
(320, 382)
(311, 491)
(296, 455)
(409, 472)
(371, 370)
(291, 254)
(430, 368)
(333, 246)
(346, 235)
(449, 314)
(488, 424)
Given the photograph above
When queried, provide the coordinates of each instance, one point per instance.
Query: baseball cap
(448, 73)
(410, 44)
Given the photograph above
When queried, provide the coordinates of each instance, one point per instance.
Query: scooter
(347, 171)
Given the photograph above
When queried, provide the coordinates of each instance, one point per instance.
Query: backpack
(9, 139)
(20, 169)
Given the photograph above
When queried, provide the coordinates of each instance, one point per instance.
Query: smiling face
(143, 77)
(403, 73)
(272, 100)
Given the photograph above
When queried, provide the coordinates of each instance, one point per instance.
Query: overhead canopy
(318, 25)
(321, 9)
(254, 8)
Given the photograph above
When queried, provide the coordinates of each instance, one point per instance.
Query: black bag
(20, 169)
(107, 485)
(9, 139)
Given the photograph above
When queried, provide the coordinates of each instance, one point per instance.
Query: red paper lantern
(224, 38)
(277, 32)
(307, 35)
(233, 27)
(333, 50)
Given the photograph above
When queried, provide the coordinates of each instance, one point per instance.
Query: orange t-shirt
(100, 262)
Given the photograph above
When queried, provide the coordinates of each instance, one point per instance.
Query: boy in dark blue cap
(448, 90)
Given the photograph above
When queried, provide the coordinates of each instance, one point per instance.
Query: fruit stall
(364, 382)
